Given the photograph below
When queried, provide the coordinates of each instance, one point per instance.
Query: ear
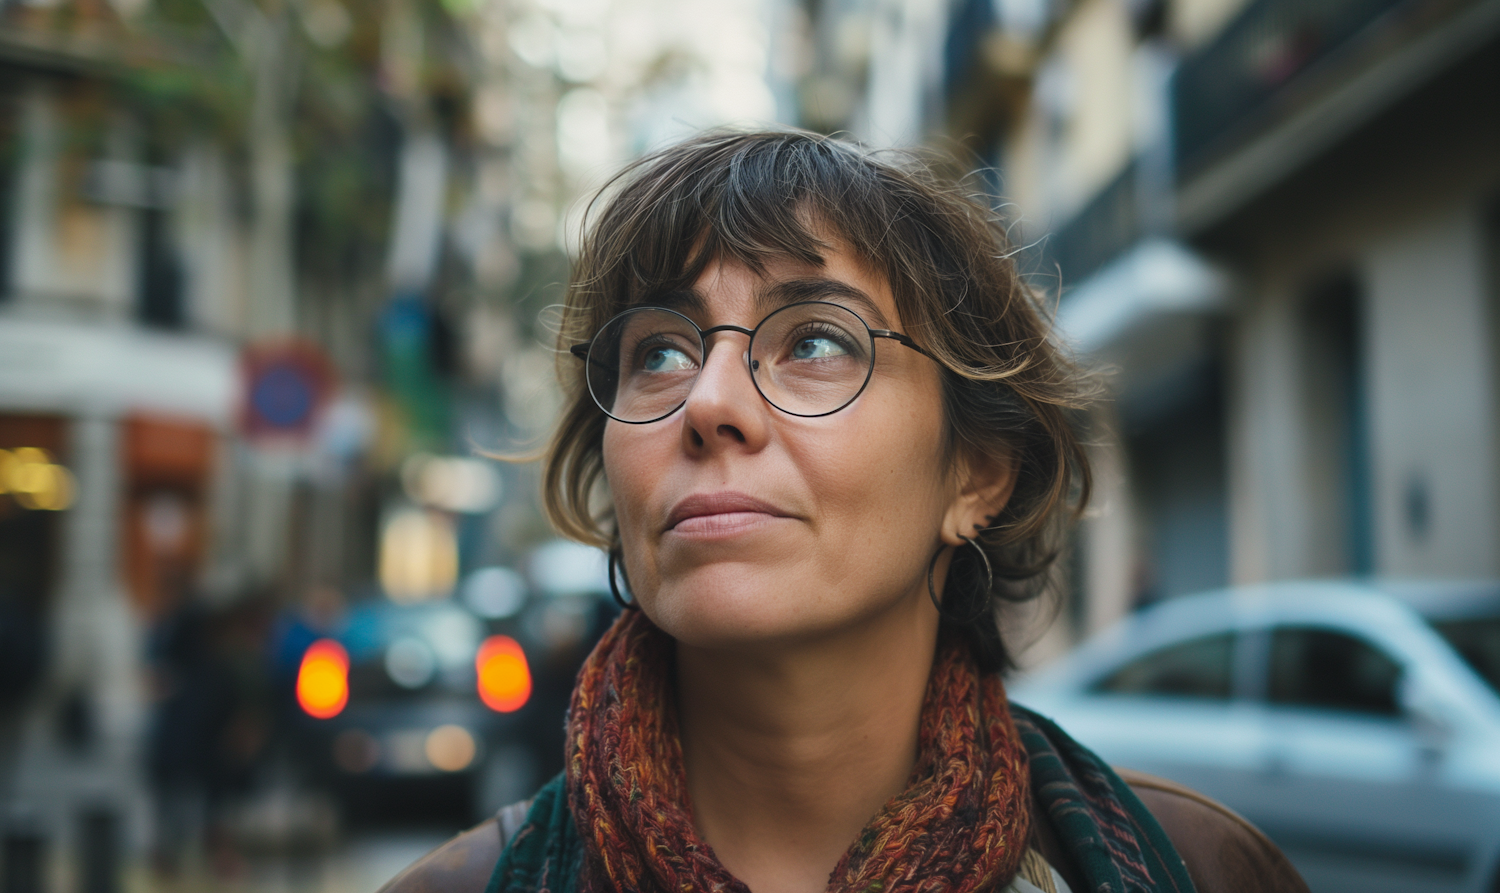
(985, 484)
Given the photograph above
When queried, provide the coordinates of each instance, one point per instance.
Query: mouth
(703, 512)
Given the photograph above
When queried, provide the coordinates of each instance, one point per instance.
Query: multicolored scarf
(961, 824)
(619, 818)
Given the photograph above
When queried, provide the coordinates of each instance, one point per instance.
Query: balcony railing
(1099, 232)
(1240, 80)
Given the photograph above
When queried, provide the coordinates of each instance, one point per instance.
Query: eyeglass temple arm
(581, 351)
(898, 337)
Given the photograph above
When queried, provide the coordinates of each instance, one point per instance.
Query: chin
(731, 605)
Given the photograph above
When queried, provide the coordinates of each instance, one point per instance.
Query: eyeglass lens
(806, 359)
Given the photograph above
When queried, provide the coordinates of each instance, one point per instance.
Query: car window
(1477, 639)
(1197, 668)
(1312, 667)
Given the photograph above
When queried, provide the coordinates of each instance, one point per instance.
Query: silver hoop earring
(983, 597)
(614, 587)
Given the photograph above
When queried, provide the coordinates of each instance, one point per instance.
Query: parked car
(1357, 724)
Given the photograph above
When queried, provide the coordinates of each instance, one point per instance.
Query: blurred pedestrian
(242, 743)
(318, 614)
(209, 727)
(23, 659)
(185, 698)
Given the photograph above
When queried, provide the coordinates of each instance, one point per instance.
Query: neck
(791, 750)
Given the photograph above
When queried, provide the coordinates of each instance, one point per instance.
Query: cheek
(622, 475)
(631, 472)
(912, 437)
(890, 473)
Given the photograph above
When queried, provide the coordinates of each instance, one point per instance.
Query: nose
(724, 409)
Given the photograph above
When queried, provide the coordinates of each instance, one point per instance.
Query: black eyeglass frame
(581, 351)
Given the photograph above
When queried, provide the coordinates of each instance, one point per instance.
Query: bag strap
(1035, 870)
(510, 818)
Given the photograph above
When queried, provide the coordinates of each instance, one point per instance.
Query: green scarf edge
(1051, 752)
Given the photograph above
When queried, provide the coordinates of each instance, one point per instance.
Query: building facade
(177, 199)
(1274, 225)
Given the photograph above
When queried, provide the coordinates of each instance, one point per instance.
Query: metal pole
(25, 856)
(98, 849)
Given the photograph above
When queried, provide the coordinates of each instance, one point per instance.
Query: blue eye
(817, 347)
(665, 359)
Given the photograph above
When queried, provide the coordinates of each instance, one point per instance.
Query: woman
(821, 427)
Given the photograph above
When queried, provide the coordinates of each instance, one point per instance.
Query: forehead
(728, 285)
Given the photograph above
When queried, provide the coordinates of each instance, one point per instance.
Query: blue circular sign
(283, 395)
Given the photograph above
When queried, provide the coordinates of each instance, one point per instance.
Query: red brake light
(504, 678)
(323, 679)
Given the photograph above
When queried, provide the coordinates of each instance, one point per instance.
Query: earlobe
(987, 486)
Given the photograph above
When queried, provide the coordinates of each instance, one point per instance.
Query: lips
(706, 505)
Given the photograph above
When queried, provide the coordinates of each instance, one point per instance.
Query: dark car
(432, 703)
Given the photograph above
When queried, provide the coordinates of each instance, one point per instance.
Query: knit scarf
(960, 825)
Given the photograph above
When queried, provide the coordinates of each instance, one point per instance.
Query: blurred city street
(280, 608)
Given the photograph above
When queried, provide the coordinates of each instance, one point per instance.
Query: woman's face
(742, 524)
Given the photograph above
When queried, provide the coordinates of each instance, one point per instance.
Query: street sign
(286, 386)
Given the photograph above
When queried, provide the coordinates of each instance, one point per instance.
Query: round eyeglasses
(806, 359)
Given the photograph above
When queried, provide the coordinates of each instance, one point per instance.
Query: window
(160, 296)
(1331, 670)
(1197, 668)
(1477, 640)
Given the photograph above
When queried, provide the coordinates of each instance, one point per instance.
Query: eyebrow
(686, 301)
(791, 291)
(776, 295)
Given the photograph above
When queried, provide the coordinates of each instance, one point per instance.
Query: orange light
(323, 679)
(504, 677)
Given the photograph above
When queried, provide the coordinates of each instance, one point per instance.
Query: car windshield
(1477, 639)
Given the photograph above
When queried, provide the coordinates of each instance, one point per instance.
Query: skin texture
(805, 632)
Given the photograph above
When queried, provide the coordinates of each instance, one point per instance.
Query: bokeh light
(450, 748)
(323, 679)
(418, 555)
(504, 676)
(30, 476)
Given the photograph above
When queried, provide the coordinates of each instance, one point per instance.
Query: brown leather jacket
(1223, 852)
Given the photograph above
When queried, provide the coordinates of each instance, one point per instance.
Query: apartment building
(182, 285)
(1274, 222)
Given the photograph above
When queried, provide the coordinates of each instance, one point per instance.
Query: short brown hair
(1010, 394)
